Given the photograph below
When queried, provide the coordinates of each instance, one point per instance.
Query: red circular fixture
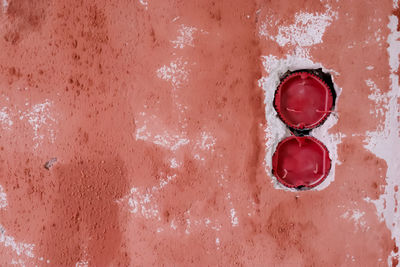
(303, 100)
(301, 161)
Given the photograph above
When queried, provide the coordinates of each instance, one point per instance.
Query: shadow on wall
(85, 214)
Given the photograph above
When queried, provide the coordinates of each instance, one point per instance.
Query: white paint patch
(357, 217)
(173, 224)
(276, 129)
(176, 73)
(233, 214)
(83, 259)
(164, 182)
(174, 164)
(144, 3)
(380, 99)
(18, 262)
(141, 200)
(193, 220)
(206, 142)
(3, 198)
(221, 179)
(5, 6)
(82, 263)
(170, 141)
(42, 121)
(385, 141)
(204, 145)
(5, 119)
(151, 129)
(234, 218)
(19, 248)
(306, 31)
(185, 37)
(188, 222)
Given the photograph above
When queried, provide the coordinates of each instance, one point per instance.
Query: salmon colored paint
(132, 133)
(301, 161)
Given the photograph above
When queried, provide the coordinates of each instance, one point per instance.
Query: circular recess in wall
(303, 100)
(301, 162)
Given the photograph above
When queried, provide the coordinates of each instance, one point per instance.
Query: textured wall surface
(139, 133)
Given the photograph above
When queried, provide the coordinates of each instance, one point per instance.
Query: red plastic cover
(303, 100)
(301, 161)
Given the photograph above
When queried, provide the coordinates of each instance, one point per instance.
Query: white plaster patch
(221, 179)
(41, 119)
(164, 182)
(144, 3)
(193, 220)
(232, 212)
(205, 144)
(176, 73)
(141, 200)
(276, 130)
(18, 262)
(82, 263)
(358, 219)
(151, 129)
(170, 141)
(306, 31)
(5, 6)
(206, 141)
(234, 218)
(185, 37)
(19, 248)
(83, 260)
(380, 99)
(174, 164)
(173, 224)
(5, 119)
(385, 141)
(3, 198)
